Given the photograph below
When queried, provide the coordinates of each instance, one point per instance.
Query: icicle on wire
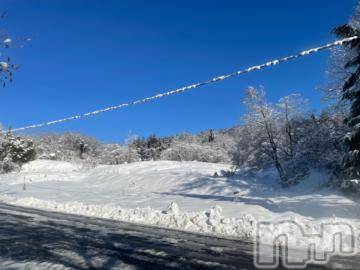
(191, 87)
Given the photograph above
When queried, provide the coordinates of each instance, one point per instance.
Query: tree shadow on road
(94, 246)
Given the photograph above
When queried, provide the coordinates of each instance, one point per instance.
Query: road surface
(36, 239)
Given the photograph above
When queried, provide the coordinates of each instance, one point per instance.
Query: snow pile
(173, 209)
(47, 170)
(49, 166)
(186, 196)
(208, 222)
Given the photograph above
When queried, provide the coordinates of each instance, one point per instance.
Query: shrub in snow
(7, 166)
(181, 151)
(151, 147)
(296, 171)
(227, 173)
(15, 151)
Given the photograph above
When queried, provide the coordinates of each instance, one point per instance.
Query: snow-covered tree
(249, 154)
(113, 154)
(48, 147)
(15, 151)
(350, 92)
(224, 140)
(319, 143)
(291, 108)
(262, 118)
(67, 147)
(184, 151)
(151, 147)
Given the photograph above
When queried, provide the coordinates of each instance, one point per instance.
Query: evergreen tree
(350, 92)
(15, 151)
(211, 135)
(151, 147)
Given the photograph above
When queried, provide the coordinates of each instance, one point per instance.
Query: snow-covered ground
(179, 195)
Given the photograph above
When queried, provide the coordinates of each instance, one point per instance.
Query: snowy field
(179, 195)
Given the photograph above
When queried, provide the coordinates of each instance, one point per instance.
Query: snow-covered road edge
(210, 222)
(207, 222)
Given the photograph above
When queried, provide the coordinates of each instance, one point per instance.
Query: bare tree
(264, 117)
(291, 108)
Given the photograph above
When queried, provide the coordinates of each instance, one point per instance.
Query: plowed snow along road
(36, 239)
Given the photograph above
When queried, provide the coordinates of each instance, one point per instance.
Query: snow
(4, 65)
(180, 195)
(25, 265)
(7, 40)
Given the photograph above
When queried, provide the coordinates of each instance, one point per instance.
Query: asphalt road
(35, 239)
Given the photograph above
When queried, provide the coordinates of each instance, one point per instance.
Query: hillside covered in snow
(191, 196)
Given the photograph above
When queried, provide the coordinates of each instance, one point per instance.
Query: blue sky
(88, 54)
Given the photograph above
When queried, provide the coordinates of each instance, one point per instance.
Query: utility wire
(193, 86)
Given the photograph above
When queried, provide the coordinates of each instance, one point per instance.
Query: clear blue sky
(88, 54)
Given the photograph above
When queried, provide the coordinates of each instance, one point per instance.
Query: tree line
(285, 136)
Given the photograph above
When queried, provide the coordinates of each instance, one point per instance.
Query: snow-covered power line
(193, 86)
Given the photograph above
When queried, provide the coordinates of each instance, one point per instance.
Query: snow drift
(180, 195)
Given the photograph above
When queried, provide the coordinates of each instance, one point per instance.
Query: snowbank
(180, 195)
(50, 166)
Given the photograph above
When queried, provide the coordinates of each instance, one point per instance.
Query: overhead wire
(190, 87)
